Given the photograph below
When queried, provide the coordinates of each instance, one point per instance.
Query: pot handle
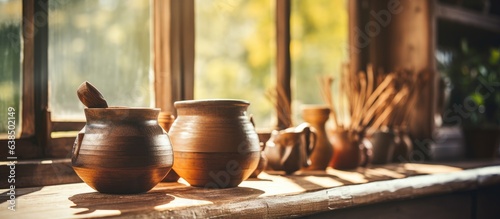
(286, 154)
(311, 138)
(77, 144)
(310, 143)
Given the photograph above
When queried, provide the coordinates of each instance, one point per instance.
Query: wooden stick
(360, 101)
(380, 88)
(387, 112)
(378, 103)
(326, 85)
(370, 76)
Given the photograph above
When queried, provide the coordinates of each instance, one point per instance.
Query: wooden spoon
(90, 96)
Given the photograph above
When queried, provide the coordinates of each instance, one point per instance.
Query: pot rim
(118, 108)
(211, 102)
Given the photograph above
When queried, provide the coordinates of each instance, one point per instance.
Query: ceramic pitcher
(290, 149)
(122, 150)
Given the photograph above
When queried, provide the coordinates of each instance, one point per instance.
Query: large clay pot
(317, 116)
(122, 150)
(289, 150)
(348, 149)
(214, 143)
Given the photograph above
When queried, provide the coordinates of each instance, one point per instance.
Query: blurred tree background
(10, 61)
(235, 51)
(108, 42)
(105, 42)
(318, 47)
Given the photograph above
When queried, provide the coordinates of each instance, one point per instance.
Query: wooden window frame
(173, 36)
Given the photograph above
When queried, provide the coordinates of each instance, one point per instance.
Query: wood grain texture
(30, 173)
(173, 52)
(28, 97)
(269, 196)
(90, 96)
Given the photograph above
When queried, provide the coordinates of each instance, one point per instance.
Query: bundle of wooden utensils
(371, 106)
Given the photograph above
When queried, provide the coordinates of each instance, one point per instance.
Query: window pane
(105, 42)
(235, 53)
(10, 63)
(318, 47)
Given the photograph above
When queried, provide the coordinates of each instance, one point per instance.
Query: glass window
(235, 53)
(10, 63)
(105, 42)
(319, 32)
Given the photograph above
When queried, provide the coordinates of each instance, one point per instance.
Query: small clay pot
(348, 153)
(214, 143)
(382, 146)
(166, 120)
(263, 138)
(122, 150)
(402, 146)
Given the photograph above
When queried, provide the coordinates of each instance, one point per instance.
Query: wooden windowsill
(271, 195)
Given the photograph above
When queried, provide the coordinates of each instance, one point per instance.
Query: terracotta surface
(347, 152)
(122, 150)
(214, 143)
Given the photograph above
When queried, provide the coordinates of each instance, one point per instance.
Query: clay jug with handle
(289, 150)
(316, 116)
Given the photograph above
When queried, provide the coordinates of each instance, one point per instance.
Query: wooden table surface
(270, 195)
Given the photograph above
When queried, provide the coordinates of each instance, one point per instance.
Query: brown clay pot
(383, 146)
(122, 150)
(214, 143)
(348, 152)
(403, 146)
(317, 116)
(166, 120)
(263, 138)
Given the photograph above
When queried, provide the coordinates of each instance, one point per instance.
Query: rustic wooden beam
(358, 45)
(41, 39)
(28, 95)
(174, 52)
(467, 17)
(283, 63)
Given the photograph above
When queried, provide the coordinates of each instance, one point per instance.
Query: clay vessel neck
(121, 114)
